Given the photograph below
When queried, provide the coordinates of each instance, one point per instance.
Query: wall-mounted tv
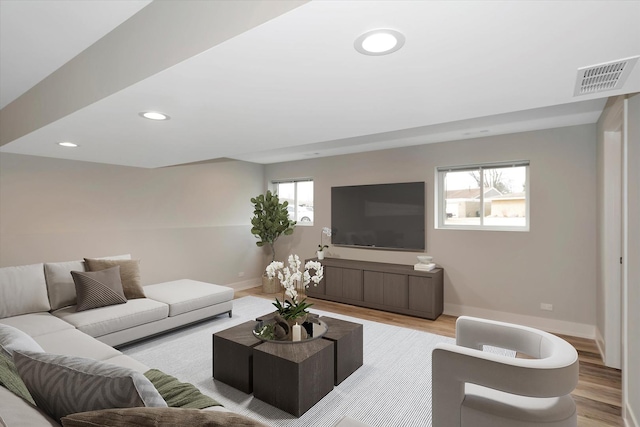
(381, 216)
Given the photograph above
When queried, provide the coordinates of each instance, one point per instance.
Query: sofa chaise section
(187, 295)
(188, 302)
(167, 305)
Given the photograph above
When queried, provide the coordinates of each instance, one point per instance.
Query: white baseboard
(601, 346)
(630, 419)
(245, 284)
(550, 325)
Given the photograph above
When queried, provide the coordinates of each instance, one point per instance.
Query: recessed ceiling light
(379, 42)
(153, 115)
(67, 144)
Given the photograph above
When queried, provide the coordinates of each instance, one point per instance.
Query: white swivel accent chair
(473, 388)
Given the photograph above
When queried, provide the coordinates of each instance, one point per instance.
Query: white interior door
(613, 248)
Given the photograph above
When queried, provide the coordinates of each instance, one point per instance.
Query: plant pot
(320, 255)
(270, 285)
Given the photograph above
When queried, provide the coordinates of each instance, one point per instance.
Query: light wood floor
(598, 395)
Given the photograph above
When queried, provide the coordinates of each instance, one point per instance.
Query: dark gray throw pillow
(98, 288)
(62, 385)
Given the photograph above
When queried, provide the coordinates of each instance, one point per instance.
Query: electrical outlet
(546, 306)
(241, 274)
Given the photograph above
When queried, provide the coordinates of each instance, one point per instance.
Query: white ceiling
(275, 84)
(38, 36)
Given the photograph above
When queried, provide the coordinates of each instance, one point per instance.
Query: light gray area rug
(392, 388)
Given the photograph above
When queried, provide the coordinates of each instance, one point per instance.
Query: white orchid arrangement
(325, 231)
(291, 275)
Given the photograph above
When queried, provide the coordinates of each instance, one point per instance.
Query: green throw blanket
(178, 394)
(10, 379)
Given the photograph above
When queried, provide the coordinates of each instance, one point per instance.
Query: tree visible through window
(491, 196)
(299, 195)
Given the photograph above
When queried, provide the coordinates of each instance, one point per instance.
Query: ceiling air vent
(601, 77)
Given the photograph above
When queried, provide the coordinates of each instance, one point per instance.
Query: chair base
(484, 407)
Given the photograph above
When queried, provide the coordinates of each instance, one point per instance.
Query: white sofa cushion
(63, 385)
(72, 342)
(23, 290)
(149, 329)
(128, 362)
(187, 295)
(36, 324)
(18, 412)
(105, 320)
(12, 339)
(62, 291)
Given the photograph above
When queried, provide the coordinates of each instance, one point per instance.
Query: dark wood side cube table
(347, 340)
(293, 377)
(233, 356)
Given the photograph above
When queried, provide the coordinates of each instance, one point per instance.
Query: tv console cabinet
(390, 287)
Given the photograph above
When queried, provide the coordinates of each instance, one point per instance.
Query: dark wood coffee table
(293, 377)
(290, 376)
(347, 342)
(233, 356)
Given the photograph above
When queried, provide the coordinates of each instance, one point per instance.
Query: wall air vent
(601, 77)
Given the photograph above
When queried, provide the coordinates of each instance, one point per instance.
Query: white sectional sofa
(37, 299)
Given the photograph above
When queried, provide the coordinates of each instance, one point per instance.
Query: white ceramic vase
(320, 255)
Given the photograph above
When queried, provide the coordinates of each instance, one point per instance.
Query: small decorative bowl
(425, 259)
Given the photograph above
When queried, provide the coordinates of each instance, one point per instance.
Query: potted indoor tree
(270, 221)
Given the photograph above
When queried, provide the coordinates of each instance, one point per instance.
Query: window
(299, 194)
(484, 197)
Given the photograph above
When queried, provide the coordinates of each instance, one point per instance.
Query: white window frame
(295, 198)
(440, 204)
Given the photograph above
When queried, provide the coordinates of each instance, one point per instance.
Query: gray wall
(181, 222)
(193, 221)
(497, 274)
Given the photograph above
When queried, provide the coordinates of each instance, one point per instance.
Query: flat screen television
(381, 216)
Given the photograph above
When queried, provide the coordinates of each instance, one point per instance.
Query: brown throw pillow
(129, 273)
(98, 288)
(157, 417)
